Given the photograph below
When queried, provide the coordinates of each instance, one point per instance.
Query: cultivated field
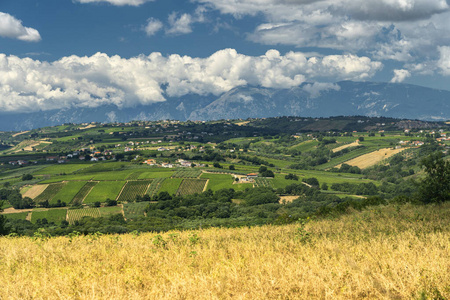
(191, 186)
(52, 215)
(104, 190)
(35, 190)
(76, 214)
(83, 192)
(371, 159)
(133, 189)
(354, 144)
(50, 191)
(134, 210)
(375, 254)
(187, 174)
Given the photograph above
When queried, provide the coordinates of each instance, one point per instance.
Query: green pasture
(170, 185)
(68, 191)
(17, 216)
(113, 175)
(52, 215)
(156, 173)
(218, 181)
(61, 169)
(104, 190)
(110, 210)
(59, 178)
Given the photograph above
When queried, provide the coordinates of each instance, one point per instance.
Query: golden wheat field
(372, 158)
(384, 253)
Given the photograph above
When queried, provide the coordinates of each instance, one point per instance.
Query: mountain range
(345, 98)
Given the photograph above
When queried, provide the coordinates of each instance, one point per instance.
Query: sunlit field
(394, 252)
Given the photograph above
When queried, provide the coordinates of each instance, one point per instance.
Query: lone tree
(435, 188)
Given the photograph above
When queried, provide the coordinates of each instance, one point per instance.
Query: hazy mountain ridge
(346, 98)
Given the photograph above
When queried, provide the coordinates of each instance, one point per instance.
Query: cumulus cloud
(179, 24)
(182, 23)
(401, 30)
(30, 85)
(117, 2)
(317, 87)
(11, 27)
(444, 60)
(153, 26)
(400, 76)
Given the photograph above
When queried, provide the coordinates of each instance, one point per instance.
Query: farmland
(187, 174)
(68, 191)
(53, 215)
(134, 210)
(83, 192)
(35, 190)
(370, 159)
(191, 186)
(170, 185)
(104, 190)
(77, 214)
(154, 186)
(132, 189)
(50, 191)
(218, 181)
(368, 254)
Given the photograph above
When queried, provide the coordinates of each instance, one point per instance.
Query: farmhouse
(252, 175)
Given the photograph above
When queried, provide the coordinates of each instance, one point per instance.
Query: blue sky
(62, 53)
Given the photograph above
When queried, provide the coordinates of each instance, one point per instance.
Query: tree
(27, 177)
(4, 230)
(231, 167)
(435, 188)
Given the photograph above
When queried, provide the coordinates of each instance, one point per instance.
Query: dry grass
(354, 144)
(373, 158)
(386, 253)
(19, 133)
(287, 199)
(35, 190)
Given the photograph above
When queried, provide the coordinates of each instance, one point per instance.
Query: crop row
(133, 189)
(83, 192)
(50, 192)
(154, 186)
(187, 174)
(263, 182)
(77, 214)
(191, 186)
(134, 210)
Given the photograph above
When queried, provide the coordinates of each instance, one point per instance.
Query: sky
(62, 53)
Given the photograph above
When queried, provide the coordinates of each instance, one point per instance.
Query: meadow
(104, 190)
(392, 252)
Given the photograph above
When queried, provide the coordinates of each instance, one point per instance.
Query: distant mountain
(343, 98)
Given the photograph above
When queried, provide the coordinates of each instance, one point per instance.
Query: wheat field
(383, 253)
(372, 158)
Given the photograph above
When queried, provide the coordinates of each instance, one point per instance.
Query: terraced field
(76, 214)
(191, 186)
(83, 192)
(50, 192)
(133, 189)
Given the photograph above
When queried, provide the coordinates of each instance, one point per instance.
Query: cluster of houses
(180, 163)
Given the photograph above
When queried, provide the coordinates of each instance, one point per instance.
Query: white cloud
(444, 60)
(317, 87)
(31, 85)
(179, 24)
(153, 26)
(401, 30)
(400, 76)
(11, 27)
(117, 2)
